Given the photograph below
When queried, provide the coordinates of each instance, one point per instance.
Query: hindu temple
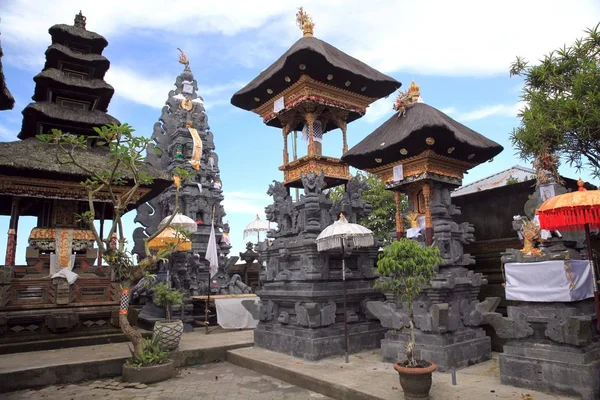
(183, 139)
(7, 101)
(62, 290)
(423, 153)
(315, 88)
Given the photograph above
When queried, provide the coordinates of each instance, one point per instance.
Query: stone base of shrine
(446, 350)
(552, 367)
(313, 344)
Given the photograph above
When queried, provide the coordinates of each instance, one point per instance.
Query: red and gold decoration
(575, 211)
(406, 99)
(170, 237)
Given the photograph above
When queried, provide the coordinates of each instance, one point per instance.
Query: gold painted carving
(332, 167)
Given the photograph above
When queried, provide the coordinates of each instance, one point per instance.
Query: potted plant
(168, 333)
(406, 268)
(151, 366)
(123, 177)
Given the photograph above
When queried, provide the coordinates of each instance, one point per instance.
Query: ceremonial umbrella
(256, 226)
(180, 221)
(574, 211)
(170, 236)
(338, 235)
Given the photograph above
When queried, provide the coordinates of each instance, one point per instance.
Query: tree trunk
(131, 333)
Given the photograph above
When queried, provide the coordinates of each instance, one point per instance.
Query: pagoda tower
(36, 301)
(184, 139)
(316, 88)
(424, 153)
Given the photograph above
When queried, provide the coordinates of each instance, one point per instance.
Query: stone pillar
(399, 226)
(428, 220)
(11, 244)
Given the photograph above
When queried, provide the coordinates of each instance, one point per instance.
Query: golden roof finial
(183, 58)
(414, 90)
(304, 22)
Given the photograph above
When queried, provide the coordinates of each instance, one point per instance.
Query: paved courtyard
(214, 381)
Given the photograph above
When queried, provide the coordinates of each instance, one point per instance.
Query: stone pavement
(213, 381)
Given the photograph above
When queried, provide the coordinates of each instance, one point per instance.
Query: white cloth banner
(212, 254)
(548, 281)
(231, 314)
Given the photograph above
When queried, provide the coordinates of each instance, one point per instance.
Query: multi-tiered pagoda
(70, 95)
(316, 88)
(7, 101)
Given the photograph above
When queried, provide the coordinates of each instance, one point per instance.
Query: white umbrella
(336, 236)
(180, 221)
(257, 226)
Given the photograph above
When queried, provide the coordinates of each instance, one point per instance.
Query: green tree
(511, 180)
(562, 97)
(406, 269)
(123, 169)
(382, 219)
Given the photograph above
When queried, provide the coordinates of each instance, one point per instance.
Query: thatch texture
(58, 80)
(410, 131)
(7, 101)
(320, 59)
(62, 33)
(58, 52)
(33, 158)
(51, 112)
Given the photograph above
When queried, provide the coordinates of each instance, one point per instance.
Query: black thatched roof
(33, 158)
(320, 59)
(410, 131)
(58, 80)
(7, 101)
(58, 52)
(51, 112)
(62, 33)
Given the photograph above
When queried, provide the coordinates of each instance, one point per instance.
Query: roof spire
(80, 20)
(304, 22)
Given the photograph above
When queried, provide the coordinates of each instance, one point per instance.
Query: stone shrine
(424, 153)
(184, 139)
(316, 88)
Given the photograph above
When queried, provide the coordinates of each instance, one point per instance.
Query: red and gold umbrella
(574, 211)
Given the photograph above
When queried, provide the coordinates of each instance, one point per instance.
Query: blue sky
(459, 53)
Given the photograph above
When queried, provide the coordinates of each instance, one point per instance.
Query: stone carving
(292, 268)
(315, 315)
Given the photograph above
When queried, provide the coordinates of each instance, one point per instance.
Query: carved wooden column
(11, 244)
(399, 226)
(286, 156)
(310, 120)
(428, 222)
(339, 117)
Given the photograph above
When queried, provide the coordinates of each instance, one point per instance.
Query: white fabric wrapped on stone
(54, 267)
(354, 235)
(231, 314)
(549, 281)
(65, 273)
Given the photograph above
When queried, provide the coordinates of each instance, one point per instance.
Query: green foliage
(152, 354)
(382, 219)
(167, 297)
(511, 180)
(406, 268)
(562, 97)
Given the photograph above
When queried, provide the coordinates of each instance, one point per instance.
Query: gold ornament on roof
(304, 22)
(183, 59)
(187, 104)
(407, 99)
(411, 217)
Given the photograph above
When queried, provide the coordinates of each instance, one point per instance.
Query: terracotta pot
(416, 382)
(149, 374)
(169, 334)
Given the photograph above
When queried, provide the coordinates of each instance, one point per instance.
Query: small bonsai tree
(121, 177)
(407, 268)
(167, 297)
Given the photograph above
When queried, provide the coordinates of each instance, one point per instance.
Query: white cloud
(246, 203)
(379, 109)
(498, 110)
(463, 37)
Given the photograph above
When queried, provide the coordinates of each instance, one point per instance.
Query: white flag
(211, 252)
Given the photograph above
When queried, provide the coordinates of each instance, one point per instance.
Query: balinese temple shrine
(7, 101)
(37, 301)
(316, 88)
(424, 153)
